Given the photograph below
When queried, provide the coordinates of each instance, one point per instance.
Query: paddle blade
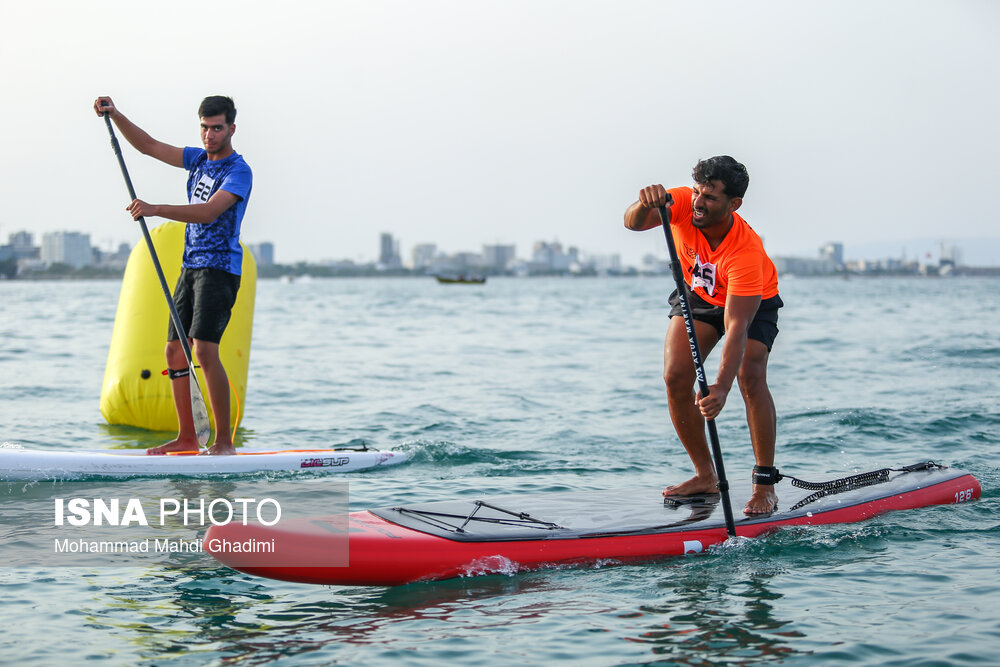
(199, 412)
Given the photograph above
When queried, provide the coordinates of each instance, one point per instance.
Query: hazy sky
(465, 122)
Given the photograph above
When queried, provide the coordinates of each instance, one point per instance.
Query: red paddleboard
(400, 545)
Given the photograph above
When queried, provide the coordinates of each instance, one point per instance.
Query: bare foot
(176, 445)
(763, 500)
(221, 449)
(693, 486)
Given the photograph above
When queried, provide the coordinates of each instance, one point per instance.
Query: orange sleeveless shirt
(739, 266)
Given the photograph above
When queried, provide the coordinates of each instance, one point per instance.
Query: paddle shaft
(197, 401)
(699, 368)
(174, 316)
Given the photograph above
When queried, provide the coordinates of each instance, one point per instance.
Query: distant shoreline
(314, 272)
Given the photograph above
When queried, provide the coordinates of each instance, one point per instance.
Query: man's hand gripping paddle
(202, 426)
(699, 368)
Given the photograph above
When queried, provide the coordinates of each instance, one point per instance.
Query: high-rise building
(388, 255)
(263, 253)
(71, 248)
(498, 257)
(423, 255)
(833, 252)
(21, 246)
(552, 258)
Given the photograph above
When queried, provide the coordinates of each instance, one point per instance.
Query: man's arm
(642, 214)
(740, 311)
(136, 136)
(201, 214)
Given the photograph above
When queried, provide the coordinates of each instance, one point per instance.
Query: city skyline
(73, 249)
(974, 251)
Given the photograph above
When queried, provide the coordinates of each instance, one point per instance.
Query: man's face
(710, 206)
(216, 133)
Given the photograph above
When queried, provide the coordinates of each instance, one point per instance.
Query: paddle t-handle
(699, 367)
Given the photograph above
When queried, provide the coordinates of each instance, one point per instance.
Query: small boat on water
(463, 278)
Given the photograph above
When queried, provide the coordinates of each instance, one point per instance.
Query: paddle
(202, 426)
(699, 369)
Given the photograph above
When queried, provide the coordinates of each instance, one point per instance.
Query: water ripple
(544, 386)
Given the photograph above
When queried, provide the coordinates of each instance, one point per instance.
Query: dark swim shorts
(763, 327)
(204, 299)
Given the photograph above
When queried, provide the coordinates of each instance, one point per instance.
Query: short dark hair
(733, 175)
(215, 105)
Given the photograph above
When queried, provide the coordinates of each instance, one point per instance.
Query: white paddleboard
(20, 464)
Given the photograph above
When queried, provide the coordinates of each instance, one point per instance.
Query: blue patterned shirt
(217, 244)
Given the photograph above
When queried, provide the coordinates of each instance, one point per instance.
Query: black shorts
(204, 300)
(763, 327)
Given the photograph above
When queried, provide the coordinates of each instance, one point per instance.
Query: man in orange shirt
(733, 289)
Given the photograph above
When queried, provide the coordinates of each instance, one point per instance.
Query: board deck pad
(519, 532)
(631, 511)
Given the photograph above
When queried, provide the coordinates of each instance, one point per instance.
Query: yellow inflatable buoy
(135, 390)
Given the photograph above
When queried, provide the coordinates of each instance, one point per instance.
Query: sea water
(537, 385)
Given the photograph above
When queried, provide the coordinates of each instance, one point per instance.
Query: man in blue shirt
(218, 187)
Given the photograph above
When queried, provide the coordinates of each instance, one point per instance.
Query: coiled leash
(769, 475)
